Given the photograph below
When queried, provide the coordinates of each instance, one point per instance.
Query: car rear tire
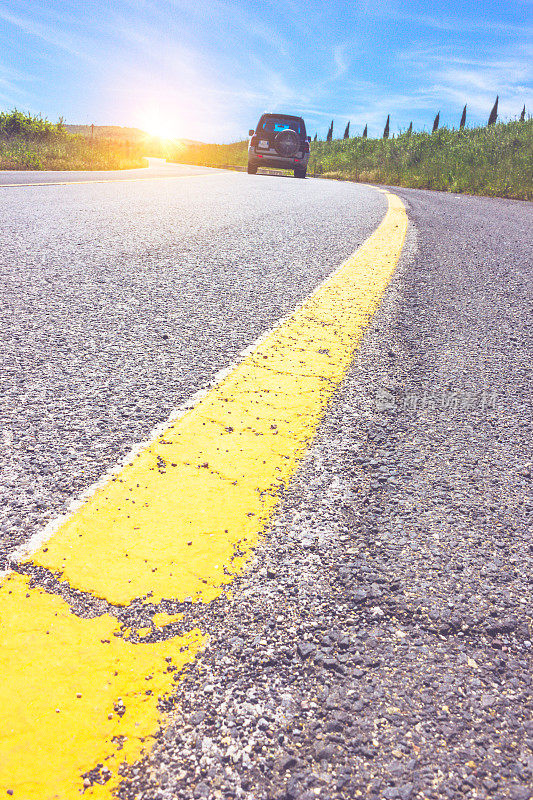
(300, 172)
(252, 169)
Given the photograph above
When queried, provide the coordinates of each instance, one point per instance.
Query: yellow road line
(177, 521)
(74, 694)
(106, 180)
(192, 505)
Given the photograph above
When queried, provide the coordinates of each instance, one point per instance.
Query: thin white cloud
(17, 88)
(245, 24)
(451, 77)
(59, 39)
(482, 23)
(341, 59)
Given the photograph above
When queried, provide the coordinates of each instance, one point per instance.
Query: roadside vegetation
(495, 160)
(33, 143)
(212, 155)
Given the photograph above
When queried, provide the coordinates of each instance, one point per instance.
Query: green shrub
(27, 126)
(28, 142)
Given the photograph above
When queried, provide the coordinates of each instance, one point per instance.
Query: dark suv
(279, 140)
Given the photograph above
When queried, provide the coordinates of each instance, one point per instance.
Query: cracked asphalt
(380, 645)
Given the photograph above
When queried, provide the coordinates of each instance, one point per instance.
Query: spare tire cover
(286, 142)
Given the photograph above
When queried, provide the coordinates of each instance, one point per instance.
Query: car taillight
(254, 140)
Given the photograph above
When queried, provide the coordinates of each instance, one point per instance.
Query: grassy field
(485, 161)
(29, 142)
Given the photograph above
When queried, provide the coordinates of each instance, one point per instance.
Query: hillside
(119, 133)
(108, 132)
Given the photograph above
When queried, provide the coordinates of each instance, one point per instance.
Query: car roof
(280, 114)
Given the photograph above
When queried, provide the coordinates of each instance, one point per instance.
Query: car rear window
(277, 124)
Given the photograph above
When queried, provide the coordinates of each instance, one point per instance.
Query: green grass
(212, 155)
(30, 142)
(495, 161)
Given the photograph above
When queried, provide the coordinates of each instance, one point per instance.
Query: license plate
(262, 143)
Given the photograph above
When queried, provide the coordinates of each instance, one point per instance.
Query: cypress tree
(410, 129)
(523, 114)
(387, 128)
(436, 123)
(494, 113)
(316, 137)
(463, 119)
(329, 137)
(347, 131)
(365, 132)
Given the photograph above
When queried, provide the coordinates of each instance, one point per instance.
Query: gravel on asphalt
(380, 644)
(380, 647)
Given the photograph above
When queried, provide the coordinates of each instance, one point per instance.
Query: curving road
(380, 646)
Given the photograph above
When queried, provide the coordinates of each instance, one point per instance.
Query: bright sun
(162, 128)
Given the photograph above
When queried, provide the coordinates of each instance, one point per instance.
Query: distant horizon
(206, 71)
(337, 133)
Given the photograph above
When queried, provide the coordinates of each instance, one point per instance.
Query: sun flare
(161, 128)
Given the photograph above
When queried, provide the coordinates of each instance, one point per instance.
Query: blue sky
(206, 69)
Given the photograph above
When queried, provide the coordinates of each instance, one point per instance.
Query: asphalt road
(121, 300)
(157, 168)
(380, 647)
